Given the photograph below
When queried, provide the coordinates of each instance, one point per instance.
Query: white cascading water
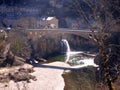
(87, 62)
(69, 52)
(67, 44)
(68, 48)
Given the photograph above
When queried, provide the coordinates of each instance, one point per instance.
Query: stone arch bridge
(38, 33)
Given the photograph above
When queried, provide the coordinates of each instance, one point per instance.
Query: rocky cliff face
(14, 49)
(50, 44)
(46, 45)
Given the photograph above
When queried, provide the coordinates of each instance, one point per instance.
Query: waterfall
(69, 53)
(68, 48)
(67, 44)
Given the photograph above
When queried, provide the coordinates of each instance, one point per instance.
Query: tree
(101, 17)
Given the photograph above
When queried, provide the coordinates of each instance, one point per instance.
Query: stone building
(47, 22)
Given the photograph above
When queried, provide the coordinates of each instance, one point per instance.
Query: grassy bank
(82, 79)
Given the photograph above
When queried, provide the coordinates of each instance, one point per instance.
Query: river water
(77, 58)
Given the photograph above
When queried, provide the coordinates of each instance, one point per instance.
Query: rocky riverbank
(48, 77)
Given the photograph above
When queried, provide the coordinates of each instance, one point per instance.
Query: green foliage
(2, 36)
(1, 46)
(17, 44)
(2, 42)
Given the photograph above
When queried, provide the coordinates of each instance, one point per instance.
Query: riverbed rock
(49, 77)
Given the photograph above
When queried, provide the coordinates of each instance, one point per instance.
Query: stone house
(47, 22)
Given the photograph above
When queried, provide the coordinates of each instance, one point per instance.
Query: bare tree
(100, 16)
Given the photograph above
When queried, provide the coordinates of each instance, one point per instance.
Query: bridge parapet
(37, 33)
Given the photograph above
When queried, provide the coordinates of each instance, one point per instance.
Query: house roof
(49, 18)
(46, 18)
